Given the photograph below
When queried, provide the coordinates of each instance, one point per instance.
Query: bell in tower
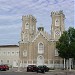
(40, 28)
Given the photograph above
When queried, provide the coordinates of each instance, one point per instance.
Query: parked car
(42, 69)
(46, 68)
(4, 67)
(7, 67)
(31, 68)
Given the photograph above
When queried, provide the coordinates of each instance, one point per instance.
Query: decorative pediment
(40, 33)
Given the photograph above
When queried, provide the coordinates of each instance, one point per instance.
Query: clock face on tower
(57, 32)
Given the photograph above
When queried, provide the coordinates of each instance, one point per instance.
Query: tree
(66, 44)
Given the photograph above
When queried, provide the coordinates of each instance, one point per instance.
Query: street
(34, 73)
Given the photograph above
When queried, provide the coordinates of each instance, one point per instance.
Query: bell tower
(57, 26)
(28, 28)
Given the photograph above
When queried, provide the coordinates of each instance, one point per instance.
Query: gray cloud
(11, 12)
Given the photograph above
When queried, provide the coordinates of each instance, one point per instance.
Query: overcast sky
(11, 12)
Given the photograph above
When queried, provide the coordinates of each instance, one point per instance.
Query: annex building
(36, 46)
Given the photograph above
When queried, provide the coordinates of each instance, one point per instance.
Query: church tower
(28, 28)
(57, 26)
(27, 34)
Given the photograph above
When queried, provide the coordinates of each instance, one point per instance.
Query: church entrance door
(40, 60)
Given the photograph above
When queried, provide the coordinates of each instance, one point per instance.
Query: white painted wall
(9, 55)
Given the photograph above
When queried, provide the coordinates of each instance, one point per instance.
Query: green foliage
(66, 44)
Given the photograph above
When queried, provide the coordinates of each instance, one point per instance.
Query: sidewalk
(17, 69)
(63, 71)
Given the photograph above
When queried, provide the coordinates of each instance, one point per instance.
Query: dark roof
(9, 46)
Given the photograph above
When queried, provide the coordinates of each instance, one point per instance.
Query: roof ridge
(9, 46)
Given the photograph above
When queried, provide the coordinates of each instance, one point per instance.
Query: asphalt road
(34, 73)
(14, 71)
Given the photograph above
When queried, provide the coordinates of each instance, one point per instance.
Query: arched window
(57, 22)
(40, 48)
(56, 52)
(24, 53)
(27, 26)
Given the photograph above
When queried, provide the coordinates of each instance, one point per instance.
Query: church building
(39, 47)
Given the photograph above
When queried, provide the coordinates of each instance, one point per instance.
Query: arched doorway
(40, 60)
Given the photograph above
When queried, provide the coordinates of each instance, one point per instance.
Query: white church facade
(39, 47)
